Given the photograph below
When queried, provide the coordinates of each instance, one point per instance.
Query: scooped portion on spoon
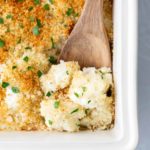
(88, 43)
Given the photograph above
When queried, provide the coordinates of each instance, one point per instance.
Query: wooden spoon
(88, 42)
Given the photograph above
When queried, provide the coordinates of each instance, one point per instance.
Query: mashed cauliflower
(84, 91)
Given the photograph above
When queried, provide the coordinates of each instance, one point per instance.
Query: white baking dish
(124, 136)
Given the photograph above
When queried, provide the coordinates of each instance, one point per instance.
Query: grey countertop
(144, 75)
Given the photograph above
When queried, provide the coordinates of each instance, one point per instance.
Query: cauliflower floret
(88, 88)
(59, 76)
(62, 115)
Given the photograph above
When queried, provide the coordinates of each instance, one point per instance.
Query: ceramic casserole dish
(124, 135)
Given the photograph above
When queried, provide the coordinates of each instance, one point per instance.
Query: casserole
(124, 135)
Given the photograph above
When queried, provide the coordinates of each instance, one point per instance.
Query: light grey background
(144, 75)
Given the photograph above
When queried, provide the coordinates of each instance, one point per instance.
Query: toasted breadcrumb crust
(31, 37)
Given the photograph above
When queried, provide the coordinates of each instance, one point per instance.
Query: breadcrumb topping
(32, 33)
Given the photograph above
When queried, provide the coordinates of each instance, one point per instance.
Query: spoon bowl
(88, 43)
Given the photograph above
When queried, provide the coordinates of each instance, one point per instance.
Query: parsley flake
(75, 110)
(15, 90)
(52, 60)
(1, 21)
(50, 122)
(2, 43)
(26, 58)
(35, 30)
(56, 104)
(5, 84)
(39, 73)
(48, 94)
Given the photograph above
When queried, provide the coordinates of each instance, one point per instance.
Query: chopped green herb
(69, 11)
(89, 101)
(29, 68)
(39, 73)
(76, 94)
(51, 1)
(84, 89)
(53, 43)
(48, 94)
(1, 20)
(52, 60)
(35, 30)
(32, 19)
(28, 47)
(67, 72)
(50, 122)
(56, 104)
(15, 90)
(18, 41)
(76, 14)
(38, 21)
(46, 7)
(26, 58)
(9, 16)
(75, 110)
(20, 0)
(5, 84)
(2, 43)
(37, 2)
(14, 67)
(30, 8)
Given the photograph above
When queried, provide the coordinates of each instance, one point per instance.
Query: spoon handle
(91, 20)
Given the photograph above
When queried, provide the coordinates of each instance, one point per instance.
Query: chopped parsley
(32, 19)
(50, 122)
(38, 21)
(35, 30)
(56, 104)
(39, 73)
(48, 94)
(51, 1)
(15, 90)
(18, 41)
(76, 94)
(46, 6)
(1, 20)
(52, 60)
(20, 0)
(9, 16)
(14, 67)
(29, 68)
(28, 47)
(75, 110)
(2, 43)
(67, 72)
(89, 101)
(26, 58)
(69, 11)
(37, 2)
(30, 8)
(5, 84)
(53, 43)
(84, 89)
